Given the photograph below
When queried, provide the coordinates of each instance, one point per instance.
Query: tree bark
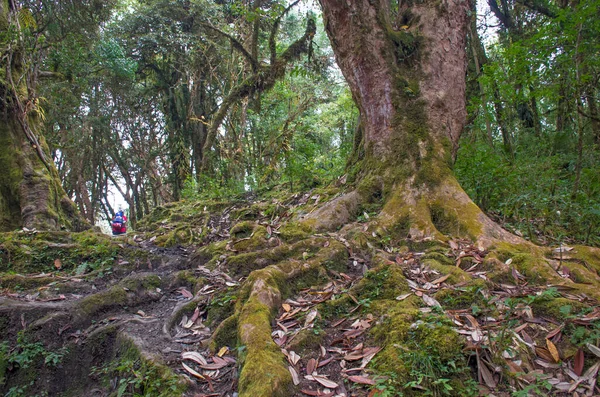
(31, 194)
(408, 80)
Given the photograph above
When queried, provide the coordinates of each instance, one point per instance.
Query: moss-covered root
(264, 371)
(576, 272)
(441, 212)
(335, 213)
(130, 292)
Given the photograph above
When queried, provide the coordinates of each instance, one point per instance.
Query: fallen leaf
(553, 350)
(286, 307)
(57, 264)
(593, 349)
(362, 380)
(402, 297)
(311, 366)
(186, 293)
(310, 317)
(441, 279)
(191, 371)
(579, 362)
(429, 301)
(223, 351)
(323, 381)
(295, 377)
(293, 357)
(544, 353)
(486, 375)
(195, 357)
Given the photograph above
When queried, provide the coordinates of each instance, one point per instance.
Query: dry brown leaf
(219, 361)
(486, 375)
(544, 353)
(402, 297)
(223, 351)
(186, 293)
(553, 350)
(293, 357)
(363, 380)
(323, 381)
(429, 301)
(295, 377)
(195, 357)
(370, 352)
(286, 307)
(593, 349)
(555, 332)
(310, 317)
(579, 362)
(311, 366)
(191, 371)
(57, 264)
(215, 366)
(440, 279)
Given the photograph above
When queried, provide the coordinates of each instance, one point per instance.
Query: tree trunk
(407, 76)
(31, 194)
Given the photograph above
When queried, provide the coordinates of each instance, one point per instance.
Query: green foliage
(139, 378)
(27, 353)
(543, 208)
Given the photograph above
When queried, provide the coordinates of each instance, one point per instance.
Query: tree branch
(264, 79)
(538, 7)
(237, 45)
(275, 29)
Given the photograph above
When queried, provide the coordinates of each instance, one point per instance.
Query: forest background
(151, 100)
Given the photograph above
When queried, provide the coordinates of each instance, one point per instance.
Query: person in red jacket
(119, 223)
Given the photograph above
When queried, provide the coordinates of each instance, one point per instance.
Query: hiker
(119, 223)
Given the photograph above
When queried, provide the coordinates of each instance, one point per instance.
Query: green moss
(306, 340)
(242, 229)
(18, 282)
(464, 297)
(256, 238)
(93, 304)
(264, 371)
(209, 253)
(556, 308)
(421, 354)
(146, 377)
(4, 363)
(36, 252)
(382, 282)
(294, 231)
(225, 334)
(146, 282)
(187, 278)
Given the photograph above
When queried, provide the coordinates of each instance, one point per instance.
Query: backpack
(118, 221)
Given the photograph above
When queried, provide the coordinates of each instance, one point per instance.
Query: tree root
(264, 372)
(335, 213)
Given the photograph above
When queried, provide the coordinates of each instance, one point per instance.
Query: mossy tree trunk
(31, 194)
(406, 68)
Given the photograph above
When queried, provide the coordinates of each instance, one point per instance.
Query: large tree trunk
(31, 194)
(30, 191)
(406, 71)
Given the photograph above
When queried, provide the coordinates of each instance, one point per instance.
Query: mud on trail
(246, 298)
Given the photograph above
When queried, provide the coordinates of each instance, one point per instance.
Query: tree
(406, 66)
(30, 191)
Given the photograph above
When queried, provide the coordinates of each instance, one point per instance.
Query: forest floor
(179, 307)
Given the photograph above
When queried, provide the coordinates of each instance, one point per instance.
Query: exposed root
(336, 212)
(264, 372)
(440, 214)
